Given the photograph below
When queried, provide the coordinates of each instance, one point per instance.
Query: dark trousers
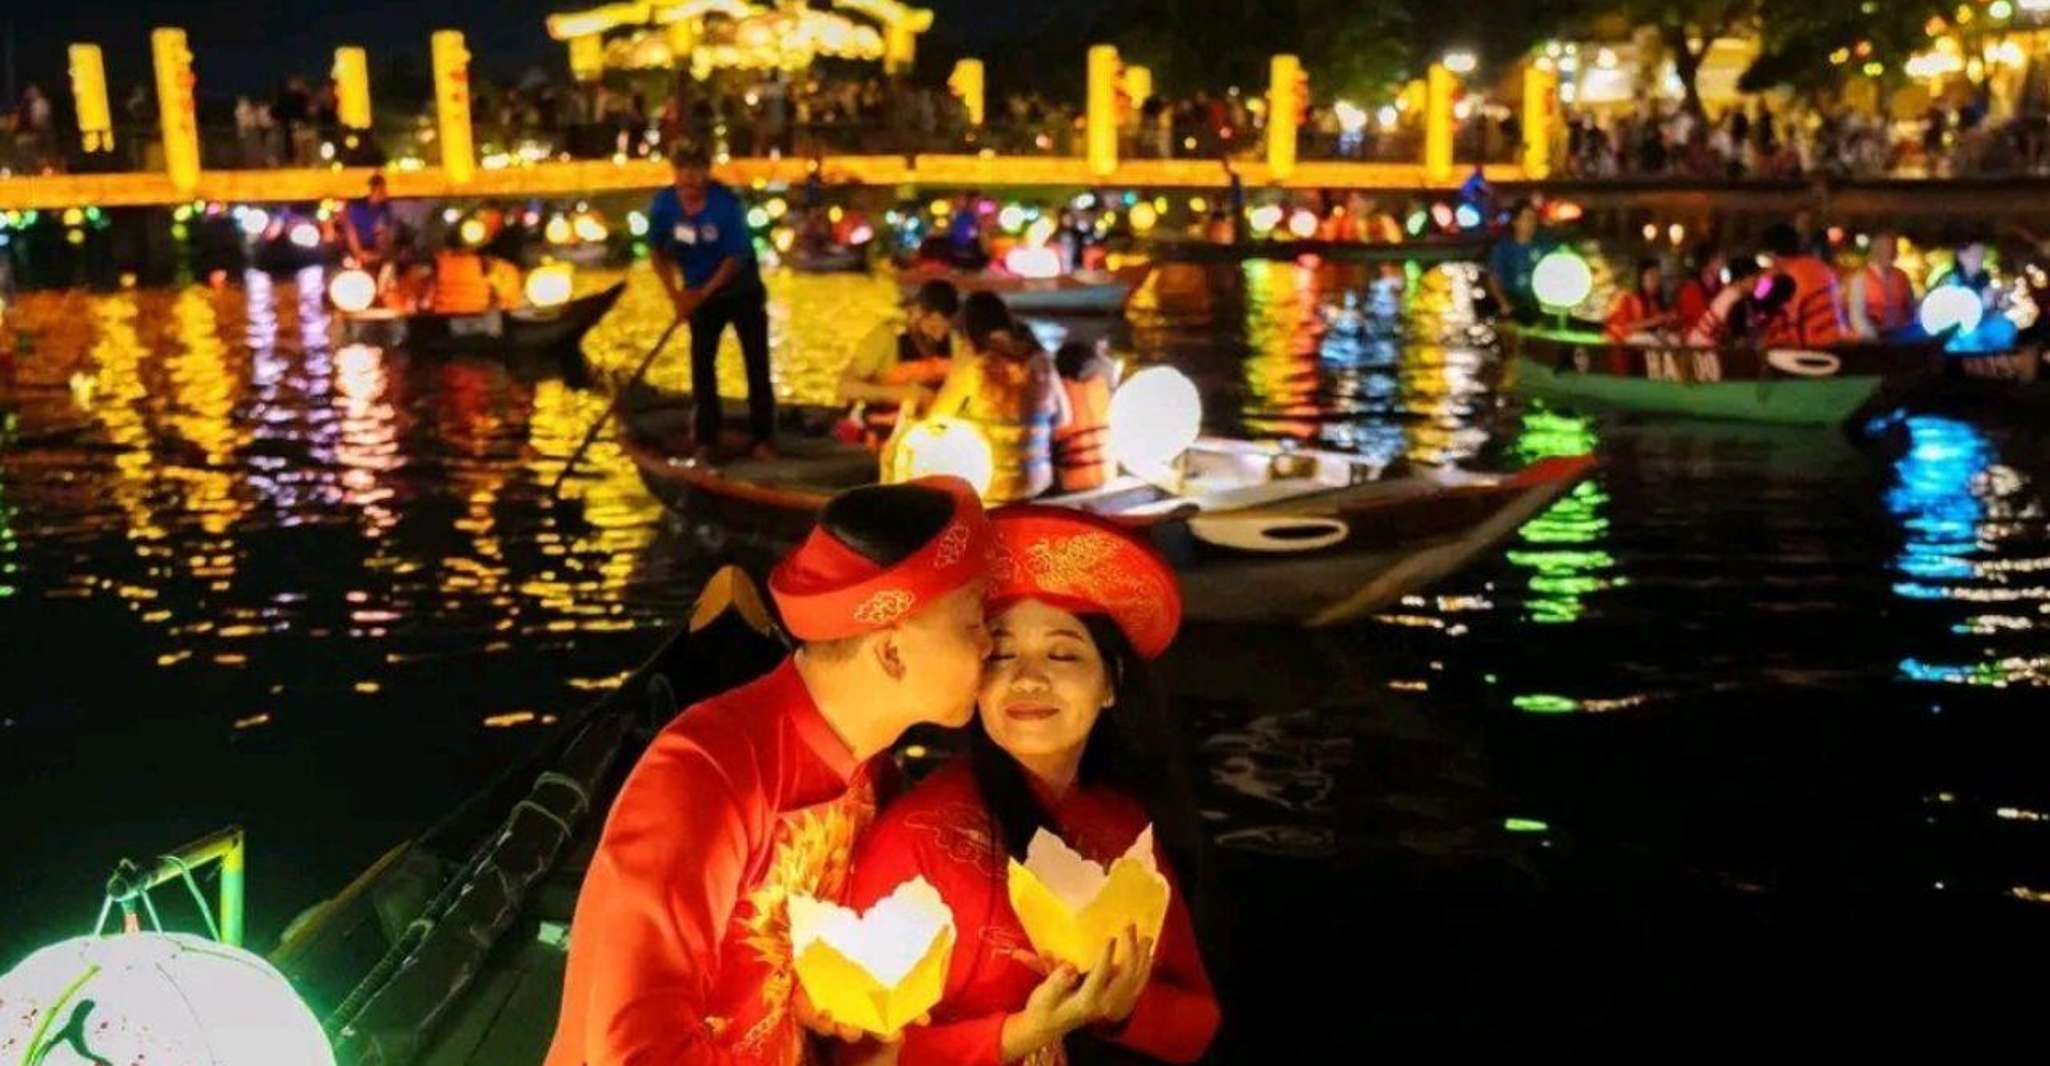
(747, 311)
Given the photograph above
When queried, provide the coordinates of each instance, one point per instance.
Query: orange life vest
(1889, 298)
(1813, 316)
(460, 284)
(911, 368)
(1630, 309)
(1081, 448)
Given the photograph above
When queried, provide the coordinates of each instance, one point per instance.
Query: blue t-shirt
(370, 221)
(699, 242)
(1512, 264)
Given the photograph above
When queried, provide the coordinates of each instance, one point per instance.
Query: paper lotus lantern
(1154, 417)
(305, 235)
(945, 446)
(1071, 907)
(352, 290)
(155, 998)
(878, 971)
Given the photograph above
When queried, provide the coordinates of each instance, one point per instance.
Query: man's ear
(888, 655)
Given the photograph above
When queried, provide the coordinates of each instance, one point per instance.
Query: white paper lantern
(166, 998)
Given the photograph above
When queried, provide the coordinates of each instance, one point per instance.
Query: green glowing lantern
(157, 998)
(1561, 280)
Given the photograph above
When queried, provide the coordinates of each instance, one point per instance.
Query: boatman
(369, 229)
(698, 230)
(680, 950)
(896, 373)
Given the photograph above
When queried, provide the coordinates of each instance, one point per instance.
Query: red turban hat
(826, 590)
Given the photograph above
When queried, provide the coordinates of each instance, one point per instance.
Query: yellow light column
(452, 105)
(966, 82)
(1101, 121)
(175, 108)
(682, 37)
(1439, 86)
(900, 48)
(587, 57)
(1282, 108)
(1540, 85)
(1138, 86)
(89, 98)
(352, 87)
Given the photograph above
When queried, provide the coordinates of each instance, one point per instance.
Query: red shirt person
(1067, 739)
(679, 951)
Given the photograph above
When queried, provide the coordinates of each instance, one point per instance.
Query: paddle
(555, 489)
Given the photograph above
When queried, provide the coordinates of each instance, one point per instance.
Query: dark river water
(1745, 737)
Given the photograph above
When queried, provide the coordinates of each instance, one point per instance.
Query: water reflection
(1974, 534)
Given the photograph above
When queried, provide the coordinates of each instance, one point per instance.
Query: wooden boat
(526, 330)
(1082, 292)
(831, 259)
(1794, 386)
(1260, 533)
(1429, 250)
(450, 949)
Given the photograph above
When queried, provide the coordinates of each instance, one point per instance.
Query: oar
(555, 490)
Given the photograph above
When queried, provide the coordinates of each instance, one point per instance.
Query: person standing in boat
(706, 261)
(897, 372)
(1006, 385)
(679, 950)
(1071, 736)
(370, 231)
(1512, 263)
(1880, 300)
(1813, 315)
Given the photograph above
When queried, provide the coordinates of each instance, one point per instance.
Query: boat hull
(492, 334)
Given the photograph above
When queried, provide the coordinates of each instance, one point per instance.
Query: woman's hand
(1134, 969)
(1066, 1001)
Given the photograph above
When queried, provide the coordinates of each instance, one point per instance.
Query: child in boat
(1081, 447)
(1069, 737)
(1641, 312)
(1008, 388)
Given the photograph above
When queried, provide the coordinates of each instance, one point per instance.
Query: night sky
(250, 47)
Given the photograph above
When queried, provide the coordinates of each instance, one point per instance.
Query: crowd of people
(1655, 140)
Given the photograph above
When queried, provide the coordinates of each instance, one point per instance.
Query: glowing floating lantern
(590, 228)
(1468, 216)
(637, 223)
(945, 446)
(757, 218)
(1144, 216)
(1264, 218)
(877, 971)
(1011, 218)
(1154, 417)
(548, 285)
(305, 235)
(155, 997)
(1071, 907)
(1028, 261)
(559, 231)
(1561, 280)
(471, 231)
(783, 237)
(73, 216)
(777, 207)
(1303, 224)
(1951, 306)
(352, 290)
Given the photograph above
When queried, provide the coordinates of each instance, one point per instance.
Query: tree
(1688, 28)
(1811, 45)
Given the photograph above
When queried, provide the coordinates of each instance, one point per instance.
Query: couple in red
(1034, 629)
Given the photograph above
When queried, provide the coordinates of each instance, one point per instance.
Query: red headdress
(1087, 564)
(827, 590)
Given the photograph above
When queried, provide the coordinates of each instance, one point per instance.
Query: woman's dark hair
(1781, 239)
(885, 524)
(1072, 358)
(1644, 265)
(983, 316)
(939, 297)
(1132, 750)
(1702, 255)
